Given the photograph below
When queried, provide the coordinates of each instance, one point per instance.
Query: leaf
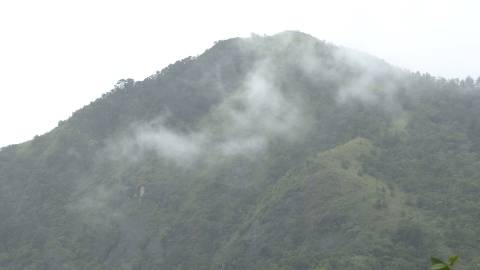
(452, 260)
(440, 266)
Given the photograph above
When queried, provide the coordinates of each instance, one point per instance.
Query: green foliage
(438, 264)
(377, 180)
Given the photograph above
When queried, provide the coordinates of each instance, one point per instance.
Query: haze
(57, 56)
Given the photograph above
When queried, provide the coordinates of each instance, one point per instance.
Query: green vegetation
(438, 264)
(279, 152)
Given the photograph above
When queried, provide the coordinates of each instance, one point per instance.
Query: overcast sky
(57, 56)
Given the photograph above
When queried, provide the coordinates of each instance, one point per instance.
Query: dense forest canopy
(268, 152)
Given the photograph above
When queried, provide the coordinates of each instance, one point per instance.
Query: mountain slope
(280, 152)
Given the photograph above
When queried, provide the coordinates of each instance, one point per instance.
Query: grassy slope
(327, 211)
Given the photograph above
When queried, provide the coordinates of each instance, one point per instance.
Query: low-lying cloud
(242, 124)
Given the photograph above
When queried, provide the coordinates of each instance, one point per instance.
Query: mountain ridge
(274, 152)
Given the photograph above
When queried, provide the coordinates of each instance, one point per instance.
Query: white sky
(57, 56)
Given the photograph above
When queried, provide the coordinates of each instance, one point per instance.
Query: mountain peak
(295, 34)
(268, 152)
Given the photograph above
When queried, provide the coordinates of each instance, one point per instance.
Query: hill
(268, 152)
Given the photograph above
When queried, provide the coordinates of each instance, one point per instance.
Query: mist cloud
(259, 110)
(243, 123)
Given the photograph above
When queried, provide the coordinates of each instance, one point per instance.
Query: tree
(469, 82)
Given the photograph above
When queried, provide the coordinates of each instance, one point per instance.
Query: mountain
(268, 152)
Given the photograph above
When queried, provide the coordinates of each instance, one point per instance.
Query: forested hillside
(268, 152)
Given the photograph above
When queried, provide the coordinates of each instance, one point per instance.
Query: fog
(242, 123)
(351, 144)
(247, 118)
